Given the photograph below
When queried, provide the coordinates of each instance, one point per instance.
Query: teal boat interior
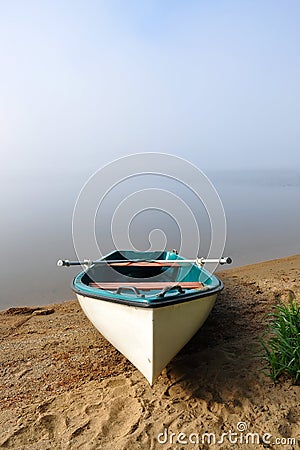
(145, 279)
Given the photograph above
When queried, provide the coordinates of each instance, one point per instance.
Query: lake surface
(262, 212)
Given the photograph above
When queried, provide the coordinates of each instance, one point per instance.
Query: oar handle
(67, 263)
(224, 260)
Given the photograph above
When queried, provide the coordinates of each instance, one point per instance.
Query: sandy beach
(63, 386)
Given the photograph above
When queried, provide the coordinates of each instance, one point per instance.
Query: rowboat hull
(148, 337)
(148, 305)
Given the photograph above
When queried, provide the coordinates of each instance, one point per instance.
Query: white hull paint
(148, 337)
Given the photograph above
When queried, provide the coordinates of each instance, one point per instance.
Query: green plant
(282, 349)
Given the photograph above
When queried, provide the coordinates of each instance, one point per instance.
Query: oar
(224, 260)
(88, 262)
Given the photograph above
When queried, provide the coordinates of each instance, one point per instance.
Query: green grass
(281, 350)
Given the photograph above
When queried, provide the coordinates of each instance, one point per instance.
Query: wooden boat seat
(146, 264)
(147, 286)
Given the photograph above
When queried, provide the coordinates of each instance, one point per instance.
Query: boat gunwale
(156, 302)
(150, 301)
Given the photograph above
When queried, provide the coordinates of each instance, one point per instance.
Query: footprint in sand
(97, 418)
(36, 435)
(112, 419)
(106, 423)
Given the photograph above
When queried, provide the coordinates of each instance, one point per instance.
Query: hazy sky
(84, 82)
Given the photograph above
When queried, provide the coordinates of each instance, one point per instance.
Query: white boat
(147, 304)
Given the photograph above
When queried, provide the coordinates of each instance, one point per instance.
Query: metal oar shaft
(67, 263)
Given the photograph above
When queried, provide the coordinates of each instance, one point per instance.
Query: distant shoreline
(219, 270)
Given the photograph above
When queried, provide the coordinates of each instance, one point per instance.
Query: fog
(262, 214)
(84, 83)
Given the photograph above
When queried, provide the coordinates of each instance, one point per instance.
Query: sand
(63, 386)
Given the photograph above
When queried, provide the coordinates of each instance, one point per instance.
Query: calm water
(262, 211)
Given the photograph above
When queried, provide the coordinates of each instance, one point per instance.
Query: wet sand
(63, 386)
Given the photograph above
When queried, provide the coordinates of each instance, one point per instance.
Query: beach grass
(281, 350)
